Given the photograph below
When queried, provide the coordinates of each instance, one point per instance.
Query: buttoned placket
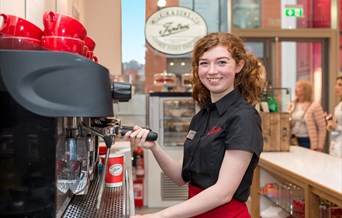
(192, 155)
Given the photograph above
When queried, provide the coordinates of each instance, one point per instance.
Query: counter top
(319, 168)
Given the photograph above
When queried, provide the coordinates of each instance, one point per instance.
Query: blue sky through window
(133, 24)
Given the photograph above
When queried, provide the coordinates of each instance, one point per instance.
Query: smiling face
(216, 70)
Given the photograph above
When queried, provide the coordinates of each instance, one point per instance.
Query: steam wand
(108, 141)
(152, 136)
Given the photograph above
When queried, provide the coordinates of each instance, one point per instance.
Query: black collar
(224, 103)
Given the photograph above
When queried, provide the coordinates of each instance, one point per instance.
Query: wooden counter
(319, 174)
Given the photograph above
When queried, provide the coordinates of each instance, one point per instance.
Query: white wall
(102, 19)
(32, 10)
(14, 7)
(288, 56)
(103, 22)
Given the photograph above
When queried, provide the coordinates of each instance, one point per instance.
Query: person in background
(224, 141)
(334, 123)
(307, 118)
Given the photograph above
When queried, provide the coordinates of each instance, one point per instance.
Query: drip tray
(112, 203)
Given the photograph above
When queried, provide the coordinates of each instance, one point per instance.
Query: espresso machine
(55, 108)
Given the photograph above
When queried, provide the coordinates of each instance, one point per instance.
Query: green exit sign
(294, 12)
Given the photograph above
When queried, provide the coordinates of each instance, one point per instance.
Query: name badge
(191, 134)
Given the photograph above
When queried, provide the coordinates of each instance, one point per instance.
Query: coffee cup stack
(63, 33)
(89, 48)
(18, 33)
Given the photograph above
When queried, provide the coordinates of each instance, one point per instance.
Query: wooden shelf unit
(313, 191)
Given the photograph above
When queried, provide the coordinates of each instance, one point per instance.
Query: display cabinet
(317, 175)
(177, 114)
(170, 114)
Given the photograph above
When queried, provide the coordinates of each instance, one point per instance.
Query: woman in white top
(334, 123)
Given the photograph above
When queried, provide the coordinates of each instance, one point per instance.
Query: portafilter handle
(152, 136)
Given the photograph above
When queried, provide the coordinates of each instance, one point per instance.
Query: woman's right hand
(331, 124)
(138, 136)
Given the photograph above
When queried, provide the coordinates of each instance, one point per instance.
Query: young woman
(224, 141)
(308, 123)
(334, 124)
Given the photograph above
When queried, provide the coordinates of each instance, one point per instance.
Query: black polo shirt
(229, 124)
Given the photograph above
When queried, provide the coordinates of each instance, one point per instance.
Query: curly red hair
(249, 81)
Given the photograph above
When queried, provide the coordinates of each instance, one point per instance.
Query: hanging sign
(174, 30)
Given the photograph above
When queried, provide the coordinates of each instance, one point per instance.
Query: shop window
(246, 13)
(277, 14)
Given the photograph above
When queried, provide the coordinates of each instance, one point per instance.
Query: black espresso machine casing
(36, 89)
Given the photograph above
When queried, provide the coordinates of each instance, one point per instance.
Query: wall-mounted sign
(174, 30)
(294, 11)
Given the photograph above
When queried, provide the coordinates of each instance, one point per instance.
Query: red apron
(232, 209)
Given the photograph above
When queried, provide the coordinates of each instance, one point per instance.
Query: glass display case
(176, 120)
(169, 114)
